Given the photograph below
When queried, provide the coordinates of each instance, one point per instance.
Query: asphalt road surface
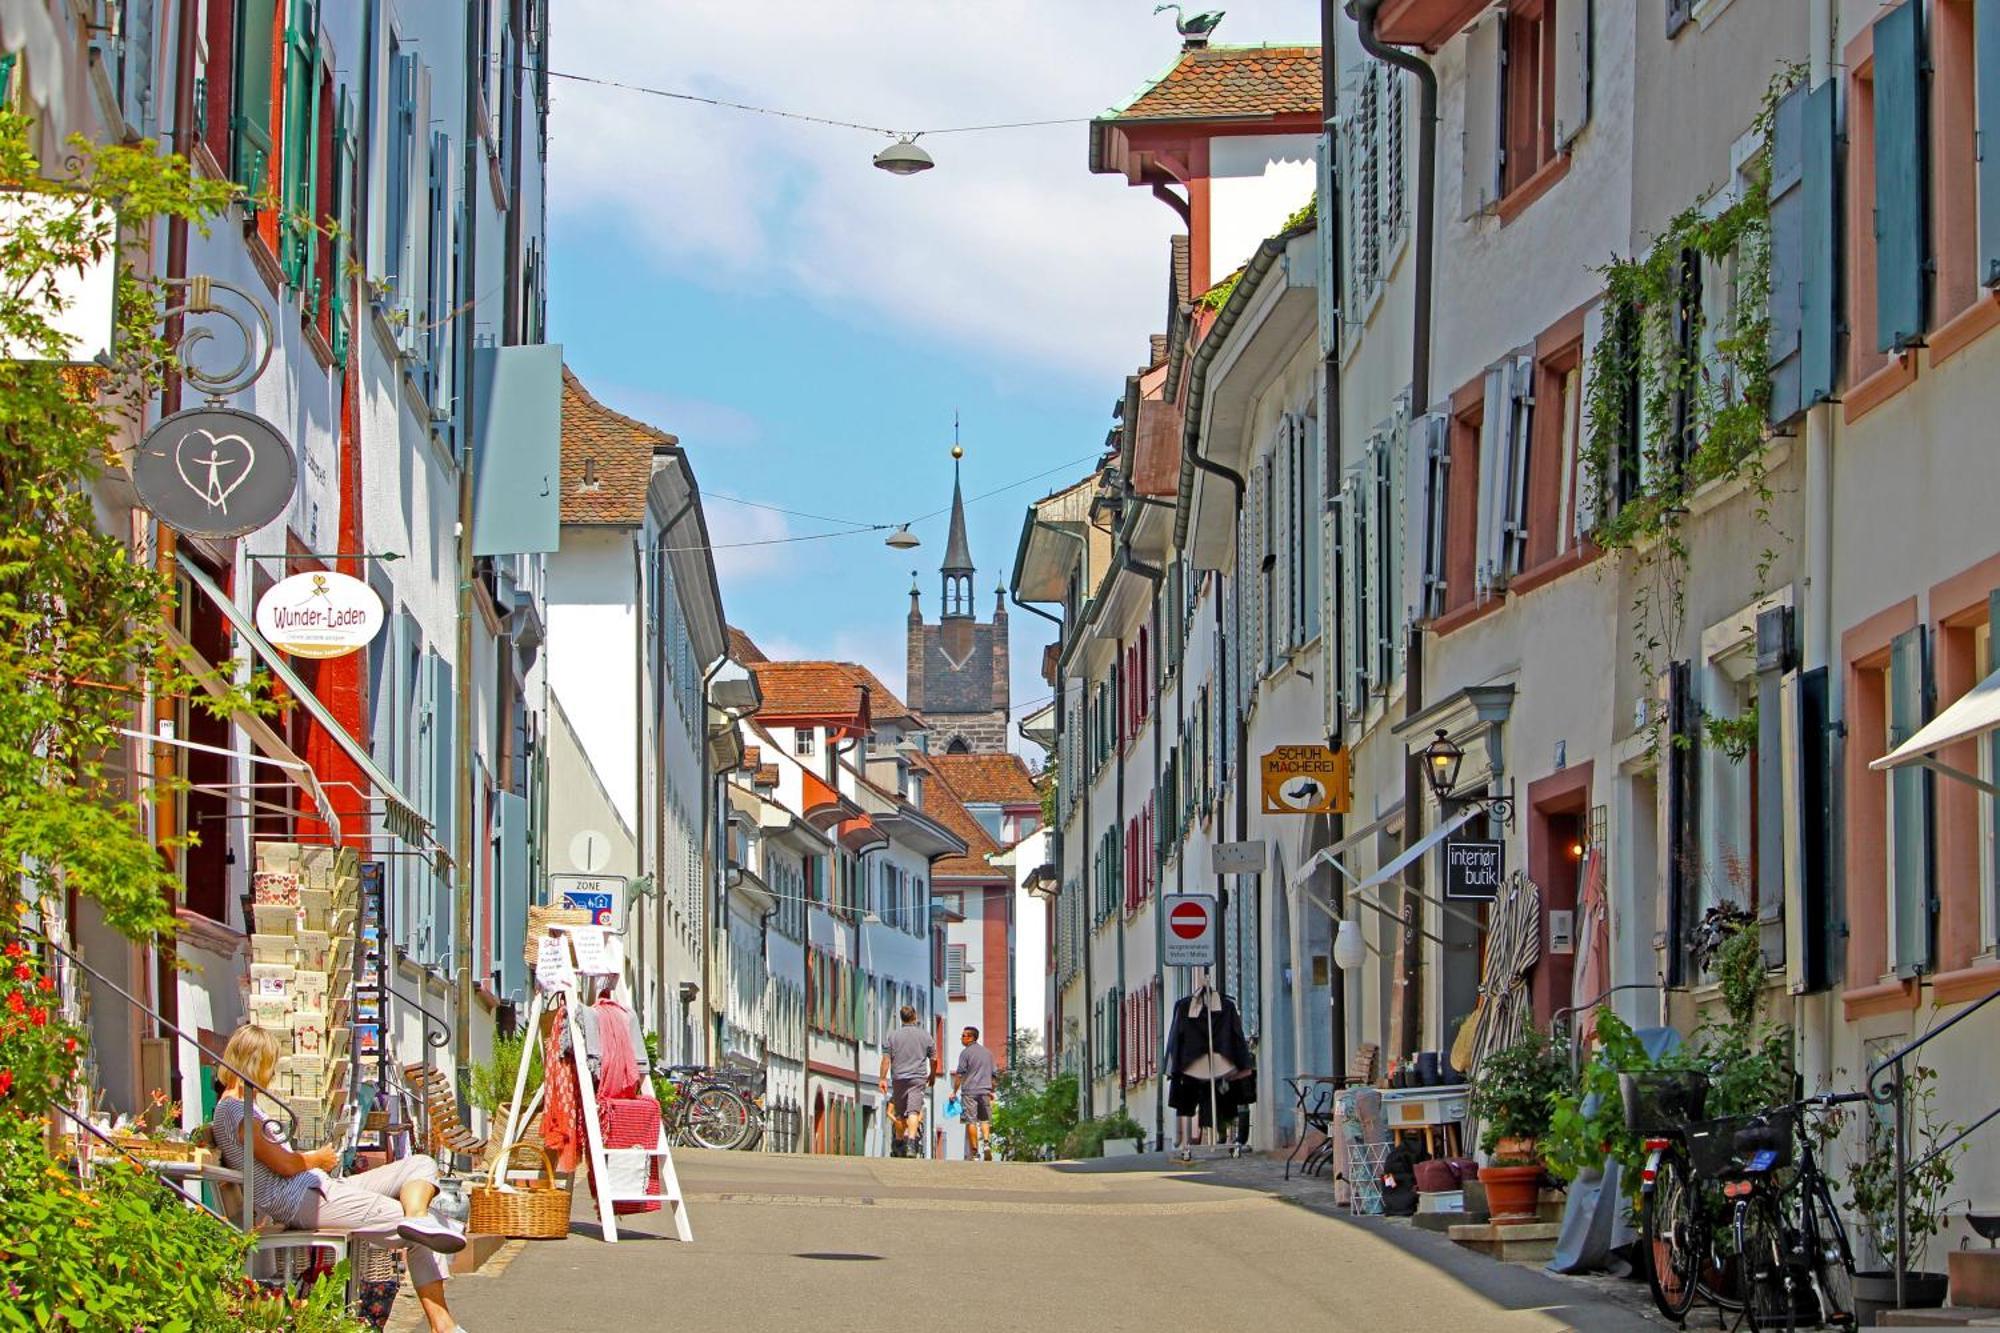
(837, 1243)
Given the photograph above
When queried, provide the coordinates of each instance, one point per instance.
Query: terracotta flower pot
(1512, 1192)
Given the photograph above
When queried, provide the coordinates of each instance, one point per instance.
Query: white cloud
(883, 656)
(749, 543)
(1010, 248)
(699, 423)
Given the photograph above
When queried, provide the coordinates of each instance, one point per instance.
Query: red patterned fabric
(632, 1122)
(562, 1120)
(618, 1063)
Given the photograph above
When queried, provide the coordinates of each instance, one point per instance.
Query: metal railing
(1559, 1020)
(250, 1085)
(132, 1157)
(1893, 1093)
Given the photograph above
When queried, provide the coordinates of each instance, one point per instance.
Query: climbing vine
(1674, 400)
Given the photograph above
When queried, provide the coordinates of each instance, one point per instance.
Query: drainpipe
(1364, 13)
(465, 877)
(1330, 225)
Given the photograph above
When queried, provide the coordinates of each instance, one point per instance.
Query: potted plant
(1513, 1099)
(1871, 1182)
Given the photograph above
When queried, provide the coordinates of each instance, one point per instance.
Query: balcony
(1426, 23)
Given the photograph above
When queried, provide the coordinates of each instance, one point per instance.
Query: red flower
(38, 1016)
(69, 1045)
(6, 1081)
(15, 1004)
(22, 971)
(14, 949)
(46, 984)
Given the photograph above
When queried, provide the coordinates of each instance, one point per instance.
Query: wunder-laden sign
(1473, 870)
(319, 613)
(215, 472)
(1306, 780)
(1190, 935)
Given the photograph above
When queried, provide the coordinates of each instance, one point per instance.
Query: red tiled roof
(742, 649)
(607, 459)
(942, 804)
(825, 689)
(997, 779)
(1224, 81)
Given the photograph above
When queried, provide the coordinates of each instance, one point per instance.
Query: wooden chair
(274, 1239)
(446, 1137)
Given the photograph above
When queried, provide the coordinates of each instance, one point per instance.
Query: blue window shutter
(511, 817)
(1788, 225)
(1819, 299)
(444, 805)
(1986, 41)
(1909, 842)
(1900, 177)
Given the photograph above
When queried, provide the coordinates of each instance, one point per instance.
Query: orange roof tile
(998, 779)
(826, 689)
(742, 649)
(942, 804)
(1218, 82)
(607, 459)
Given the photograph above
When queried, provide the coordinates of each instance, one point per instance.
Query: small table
(1436, 1113)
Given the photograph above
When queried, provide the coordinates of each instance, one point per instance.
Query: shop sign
(319, 614)
(1473, 870)
(215, 472)
(1306, 780)
(1190, 935)
(1237, 858)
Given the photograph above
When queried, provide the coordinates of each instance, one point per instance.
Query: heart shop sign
(215, 472)
(319, 614)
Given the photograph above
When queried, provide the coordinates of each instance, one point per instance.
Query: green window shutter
(256, 23)
(1986, 40)
(1909, 834)
(1819, 302)
(346, 179)
(1901, 253)
(1788, 226)
(402, 142)
(7, 59)
(299, 160)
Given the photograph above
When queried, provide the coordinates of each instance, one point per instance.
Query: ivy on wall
(1674, 401)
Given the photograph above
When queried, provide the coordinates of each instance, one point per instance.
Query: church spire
(957, 566)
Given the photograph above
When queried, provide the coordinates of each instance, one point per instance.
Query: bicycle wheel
(1767, 1278)
(1672, 1229)
(717, 1118)
(1829, 1254)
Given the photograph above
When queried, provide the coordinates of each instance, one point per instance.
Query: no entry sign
(1190, 934)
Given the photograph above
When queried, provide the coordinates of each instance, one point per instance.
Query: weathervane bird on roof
(1194, 30)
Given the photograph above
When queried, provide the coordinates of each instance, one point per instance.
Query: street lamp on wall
(1442, 760)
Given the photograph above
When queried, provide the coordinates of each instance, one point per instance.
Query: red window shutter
(221, 80)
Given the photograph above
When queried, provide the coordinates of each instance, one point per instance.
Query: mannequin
(1211, 1071)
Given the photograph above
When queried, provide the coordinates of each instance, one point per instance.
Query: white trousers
(367, 1208)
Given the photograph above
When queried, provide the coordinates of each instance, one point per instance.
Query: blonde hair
(253, 1050)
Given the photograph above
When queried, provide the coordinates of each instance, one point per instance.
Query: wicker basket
(539, 1212)
(158, 1150)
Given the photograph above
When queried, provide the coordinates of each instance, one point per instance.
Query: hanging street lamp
(904, 158)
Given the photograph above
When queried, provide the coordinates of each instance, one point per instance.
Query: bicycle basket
(1718, 1148)
(1660, 1102)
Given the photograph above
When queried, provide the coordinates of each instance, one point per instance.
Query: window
(954, 971)
(1528, 101)
(1507, 428)
(1461, 508)
(804, 742)
(1555, 436)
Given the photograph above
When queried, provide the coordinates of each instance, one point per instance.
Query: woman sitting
(388, 1207)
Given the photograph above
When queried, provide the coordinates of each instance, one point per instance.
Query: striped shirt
(280, 1197)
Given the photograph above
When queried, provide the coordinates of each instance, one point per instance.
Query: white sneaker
(433, 1233)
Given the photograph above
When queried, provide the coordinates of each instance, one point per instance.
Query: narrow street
(863, 1243)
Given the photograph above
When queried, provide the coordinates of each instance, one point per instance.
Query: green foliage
(38, 1050)
(123, 1252)
(1871, 1176)
(664, 1091)
(1218, 296)
(80, 613)
(1032, 1120)
(1587, 1123)
(493, 1079)
(1514, 1095)
(1087, 1138)
(1732, 737)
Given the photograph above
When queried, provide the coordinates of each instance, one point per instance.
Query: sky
(808, 325)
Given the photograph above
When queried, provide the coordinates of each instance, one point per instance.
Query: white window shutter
(1436, 463)
(1382, 547)
(1479, 138)
(1572, 20)
(1368, 510)
(1521, 423)
(1396, 544)
(1416, 566)
(1350, 598)
(1329, 262)
(1495, 431)
(1395, 164)
(1327, 520)
(1369, 223)
(1282, 529)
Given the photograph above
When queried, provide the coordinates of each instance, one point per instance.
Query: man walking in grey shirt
(972, 1084)
(909, 1063)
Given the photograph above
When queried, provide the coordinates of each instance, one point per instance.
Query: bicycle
(708, 1111)
(1797, 1257)
(1676, 1219)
